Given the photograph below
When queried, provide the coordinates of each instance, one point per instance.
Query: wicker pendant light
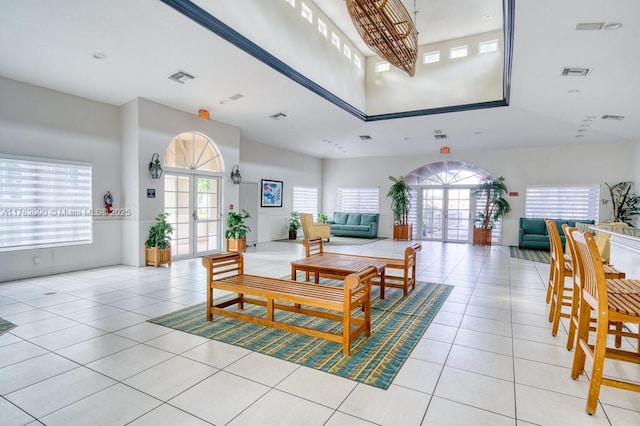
(386, 27)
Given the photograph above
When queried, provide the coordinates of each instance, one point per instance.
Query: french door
(445, 214)
(193, 202)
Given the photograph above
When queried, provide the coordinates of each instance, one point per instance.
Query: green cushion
(340, 218)
(534, 226)
(366, 219)
(354, 219)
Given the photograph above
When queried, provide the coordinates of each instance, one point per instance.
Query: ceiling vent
(365, 137)
(236, 97)
(440, 136)
(612, 117)
(181, 77)
(576, 72)
(278, 116)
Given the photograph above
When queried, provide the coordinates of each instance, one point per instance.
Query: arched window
(447, 173)
(194, 151)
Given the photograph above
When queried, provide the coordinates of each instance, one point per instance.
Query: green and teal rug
(336, 241)
(533, 255)
(397, 324)
(5, 326)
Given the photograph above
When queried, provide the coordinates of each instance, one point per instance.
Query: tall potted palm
(493, 192)
(400, 195)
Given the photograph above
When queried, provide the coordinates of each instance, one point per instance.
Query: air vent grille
(278, 116)
(612, 117)
(575, 72)
(365, 137)
(181, 77)
(236, 96)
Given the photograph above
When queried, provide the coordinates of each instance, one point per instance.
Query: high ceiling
(50, 44)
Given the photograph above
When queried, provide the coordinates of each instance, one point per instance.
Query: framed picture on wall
(271, 193)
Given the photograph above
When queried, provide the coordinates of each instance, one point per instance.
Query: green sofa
(533, 232)
(354, 224)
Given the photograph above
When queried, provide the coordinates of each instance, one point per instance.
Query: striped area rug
(534, 255)
(5, 326)
(397, 324)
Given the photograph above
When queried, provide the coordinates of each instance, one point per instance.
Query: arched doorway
(193, 194)
(445, 207)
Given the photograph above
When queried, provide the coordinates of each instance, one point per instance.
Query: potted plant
(294, 225)
(322, 218)
(626, 204)
(236, 233)
(493, 191)
(158, 244)
(400, 194)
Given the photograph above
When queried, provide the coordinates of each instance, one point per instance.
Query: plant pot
(403, 232)
(237, 244)
(293, 235)
(481, 237)
(156, 256)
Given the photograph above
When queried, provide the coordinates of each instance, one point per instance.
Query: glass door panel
(458, 215)
(176, 203)
(207, 215)
(431, 213)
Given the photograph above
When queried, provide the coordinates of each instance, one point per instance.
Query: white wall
(43, 123)
(472, 79)
(562, 165)
(258, 161)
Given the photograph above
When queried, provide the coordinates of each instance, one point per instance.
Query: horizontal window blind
(305, 200)
(563, 202)
(44, 204)
(358, 199)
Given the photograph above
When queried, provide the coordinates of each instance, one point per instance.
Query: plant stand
(156, 256)
(481, 237)
(237, 244)
(403, 232)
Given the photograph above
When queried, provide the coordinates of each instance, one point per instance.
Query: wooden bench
(405, 278)
(226, 272)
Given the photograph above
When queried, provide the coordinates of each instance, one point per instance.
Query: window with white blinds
(44, 203)
(563, 202)
(358, 199)
(305, 200)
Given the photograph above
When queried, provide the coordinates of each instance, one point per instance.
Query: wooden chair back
(591, 272)
(312, 246)
(557, 251)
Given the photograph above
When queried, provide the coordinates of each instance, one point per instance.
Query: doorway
(193, 203)
(445, 214)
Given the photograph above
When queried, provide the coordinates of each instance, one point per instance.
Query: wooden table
(336, 266)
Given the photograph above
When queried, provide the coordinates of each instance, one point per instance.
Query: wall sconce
(236, 177)
(155, 168)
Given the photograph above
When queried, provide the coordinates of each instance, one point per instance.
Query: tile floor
(83, 354)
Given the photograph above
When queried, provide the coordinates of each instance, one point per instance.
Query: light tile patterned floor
(85, 355)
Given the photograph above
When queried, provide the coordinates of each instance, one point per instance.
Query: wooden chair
(313, 230)
(611, 273)
(557, 291)
(617, 307)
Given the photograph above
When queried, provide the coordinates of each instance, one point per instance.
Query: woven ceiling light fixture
(386, 27)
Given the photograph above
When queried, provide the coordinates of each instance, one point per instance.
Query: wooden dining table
(335, 265)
